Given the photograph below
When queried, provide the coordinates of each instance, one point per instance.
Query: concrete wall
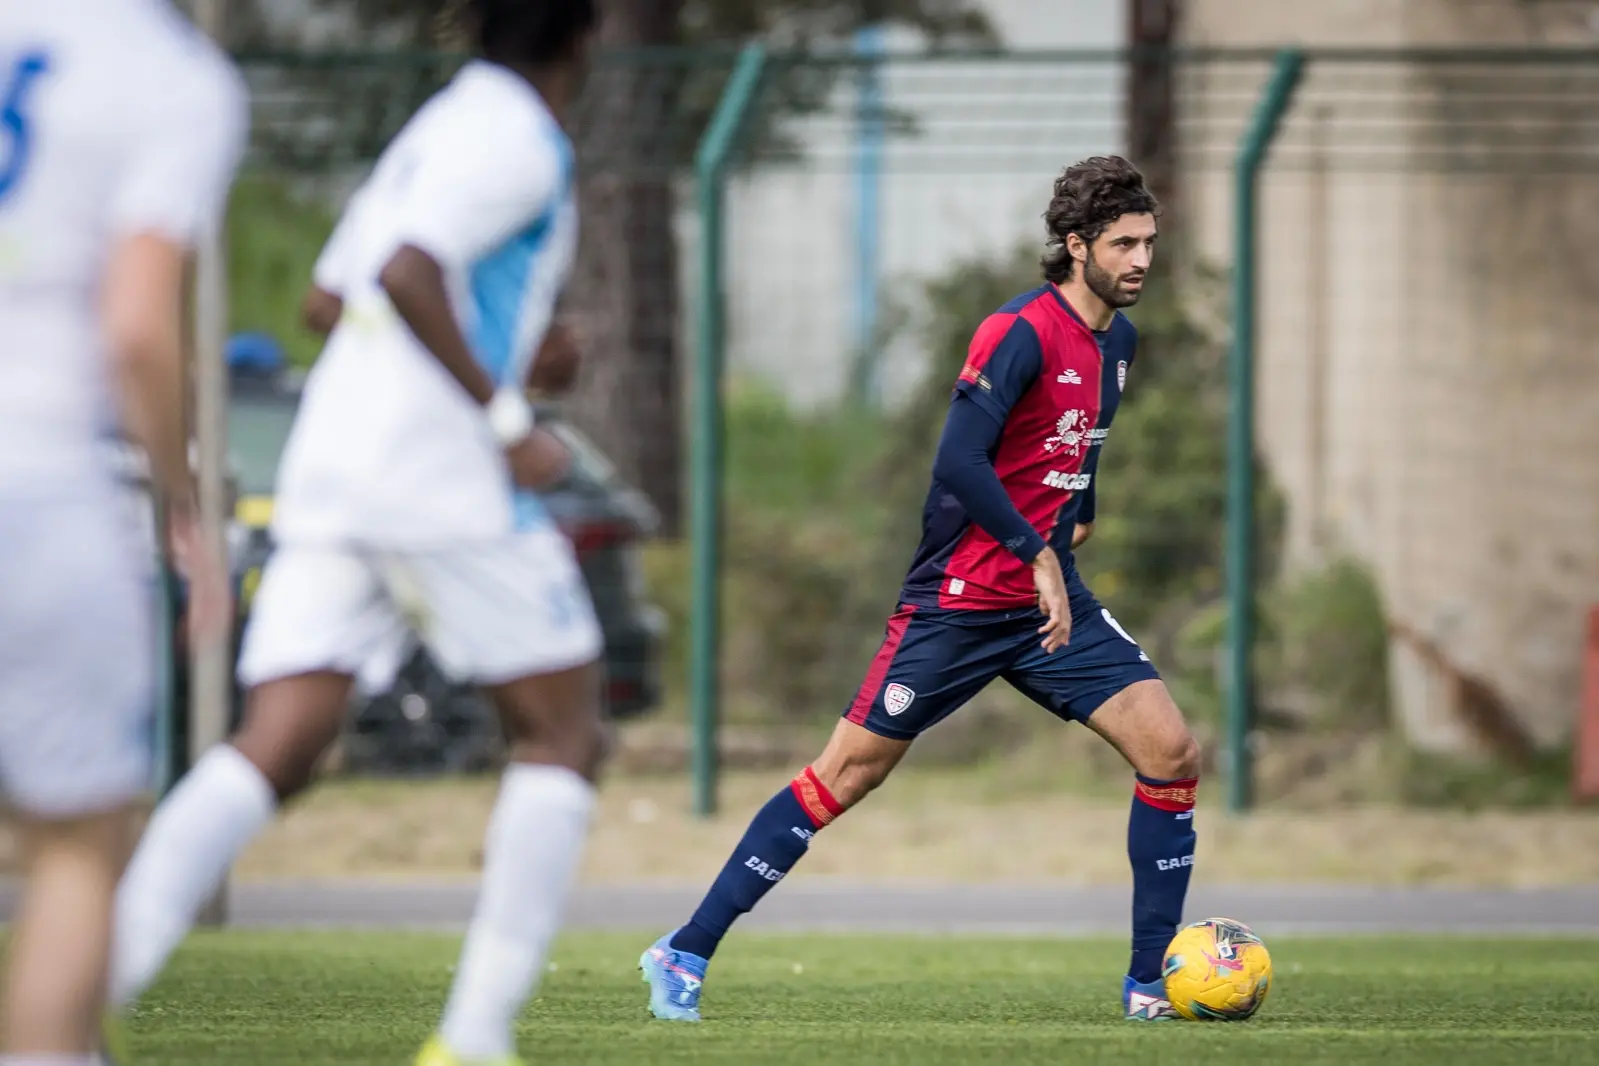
(1429, 380)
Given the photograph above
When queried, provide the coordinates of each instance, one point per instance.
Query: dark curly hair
(518, 31)
(1088, 197)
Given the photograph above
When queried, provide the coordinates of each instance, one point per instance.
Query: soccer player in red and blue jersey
(993, 592)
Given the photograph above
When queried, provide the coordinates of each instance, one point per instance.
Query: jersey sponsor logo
(1071, 433)
(1057, 479)
(1070, 377)
(896, 698)
(1121, 375)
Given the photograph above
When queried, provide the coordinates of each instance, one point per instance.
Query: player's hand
(1051, 583)
(560, 356)
(210, 609)
(538, 461)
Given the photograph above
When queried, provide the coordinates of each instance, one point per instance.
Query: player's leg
(317, 617)
(76, 693)
(1144, 724)
(925, 670)
(1102, 678)
(853, 764)
(61, 940)
(516, 617)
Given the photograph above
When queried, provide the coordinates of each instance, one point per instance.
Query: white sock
(530, 860)
(192, 839)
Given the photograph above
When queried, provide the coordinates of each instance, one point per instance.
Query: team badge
(896, 698)
(1121, 375)
(1071, 432)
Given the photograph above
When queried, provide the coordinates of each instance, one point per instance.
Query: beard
(1103, 284)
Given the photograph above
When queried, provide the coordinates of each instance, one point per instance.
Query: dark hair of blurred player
(521, 33)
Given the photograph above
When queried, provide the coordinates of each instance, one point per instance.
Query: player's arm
(142, 308)
(555, 368)
(171, 194)
(324, 300)
(415, 283)
(1000, 368)
(1085, 517)
(181, 160)
(965, 467)
(996, 375)
(462, 204)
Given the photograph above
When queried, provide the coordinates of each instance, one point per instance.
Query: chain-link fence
(1426, 406)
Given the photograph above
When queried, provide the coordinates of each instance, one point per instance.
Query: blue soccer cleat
(675, 979)
(1146, 1002)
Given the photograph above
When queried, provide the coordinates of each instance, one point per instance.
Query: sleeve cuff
(1026, 548)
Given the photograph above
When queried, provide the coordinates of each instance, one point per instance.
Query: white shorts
(77, 655)
(487, 612)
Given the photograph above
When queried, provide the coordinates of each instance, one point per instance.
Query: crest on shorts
(1071, 432)
(1121, 375)
(896, 698)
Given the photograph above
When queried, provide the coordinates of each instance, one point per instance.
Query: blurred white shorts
(77, 654)
(488, 612)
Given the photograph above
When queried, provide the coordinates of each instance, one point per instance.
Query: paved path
(818, 904)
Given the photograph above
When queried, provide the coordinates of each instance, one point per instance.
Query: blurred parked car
(426, 723)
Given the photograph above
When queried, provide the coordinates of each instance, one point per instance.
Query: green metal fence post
(1252, 151)
(710, 165)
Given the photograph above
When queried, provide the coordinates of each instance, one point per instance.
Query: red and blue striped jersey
(1054, 384)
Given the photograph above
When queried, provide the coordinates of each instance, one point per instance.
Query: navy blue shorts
(933, 660)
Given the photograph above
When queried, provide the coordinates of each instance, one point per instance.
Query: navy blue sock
(780, 833)
(1160, 845)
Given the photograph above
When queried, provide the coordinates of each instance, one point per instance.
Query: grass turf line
(352, 999)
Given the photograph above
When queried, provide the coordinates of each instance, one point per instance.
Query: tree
(635, 133)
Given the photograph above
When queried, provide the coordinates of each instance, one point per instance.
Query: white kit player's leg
(190, 843)
(318, 616)
(515, 616)
(530, 858)
(76, 696)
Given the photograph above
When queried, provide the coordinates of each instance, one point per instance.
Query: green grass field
(319, 999)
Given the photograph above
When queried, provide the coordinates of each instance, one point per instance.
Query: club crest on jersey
(1121, 375)
(896, 698)
(1070, 377)
(1071, 433)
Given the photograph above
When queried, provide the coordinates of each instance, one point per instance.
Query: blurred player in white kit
(120, 130)
(404, 511)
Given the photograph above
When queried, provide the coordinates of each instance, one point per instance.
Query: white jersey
(388, 449)
(116, 118)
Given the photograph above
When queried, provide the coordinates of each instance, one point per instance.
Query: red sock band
(819, 803)
(1167, 795)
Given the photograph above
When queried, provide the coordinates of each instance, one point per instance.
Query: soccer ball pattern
(1217, 970)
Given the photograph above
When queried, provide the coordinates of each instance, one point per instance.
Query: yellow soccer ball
(1217, 970)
